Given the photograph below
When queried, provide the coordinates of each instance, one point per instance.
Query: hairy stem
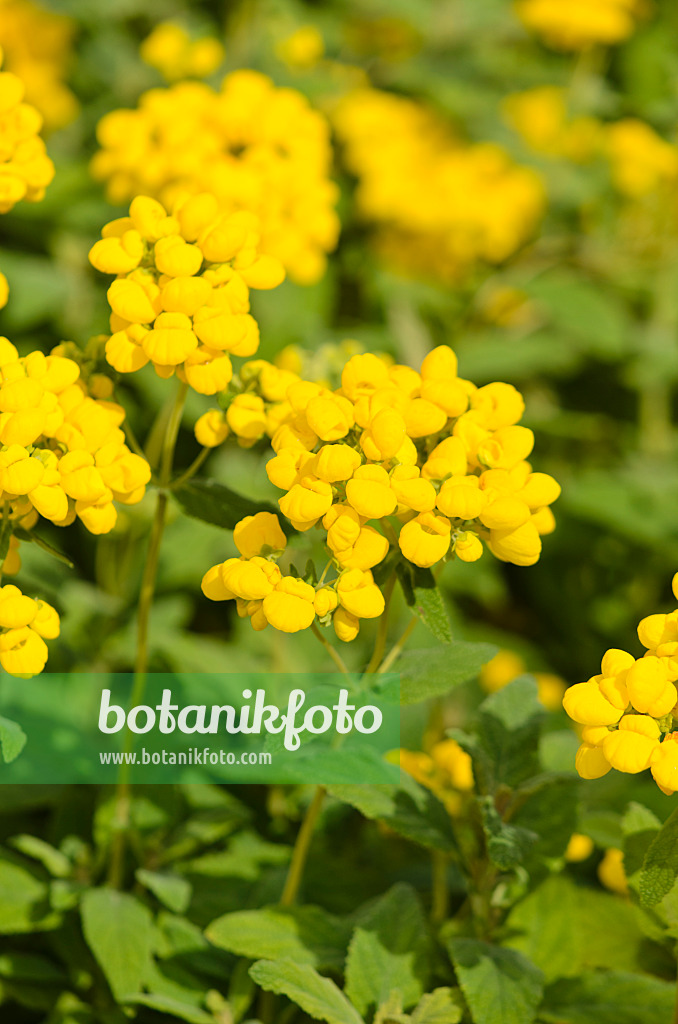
(382, 631)
(121, 818)
(301, 848)
(397, 648)
(334, 655)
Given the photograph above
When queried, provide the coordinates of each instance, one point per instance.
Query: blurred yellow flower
(580, 24)
(37, 44)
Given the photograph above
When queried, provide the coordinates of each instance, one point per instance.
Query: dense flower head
(421, 464)
(62, 452)
(257, 148)
(170, 49)
(180, 299)
(25, 624)
(580, 24)
(437, 203)
(37, 44)
(25, 168)
(627, 710)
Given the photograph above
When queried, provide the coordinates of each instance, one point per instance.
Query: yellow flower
(260, 149)
(586, 704)
(579, 24)
(437, 206)
(579, 848)
(306, 501)
(259, 534)
(290, 607)
(631, 747)
(468, 546)
(359, 595)
(336, 462)
(250, 579)
(426, 539)
(346, 625)
(664, 764)
(611, 872)
(171, 51)
(302, 49)
(590, 762)
(245, 416)
(369, 492)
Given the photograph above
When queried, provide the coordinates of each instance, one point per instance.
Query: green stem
(334, 655)
(301, 848)
(440, 897)
(382, 632)
(397, 648)
(188, 474)
(121, 818)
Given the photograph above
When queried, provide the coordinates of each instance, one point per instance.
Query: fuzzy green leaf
(660, 867)
(307, 935)
(213, 503)
(389, 952)
(317, 996)
(500, 985)
(424, 597)
(434, 671)
(119, 931)
(12, 739)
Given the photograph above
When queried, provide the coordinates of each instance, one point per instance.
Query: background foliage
(408, 913)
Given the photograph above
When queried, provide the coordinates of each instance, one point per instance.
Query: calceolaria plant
(351, 298)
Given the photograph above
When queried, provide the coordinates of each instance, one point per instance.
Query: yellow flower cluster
(171, 51)
(257, 148)
(438, 203)
(627, 710)
(447, 771)
(25, 624)
(25, 168)
(641, 160)
(37, 45)
(540, 116)
(507, 666)
(580, 24)
(425, 453)
(180, 299)
(62, 452)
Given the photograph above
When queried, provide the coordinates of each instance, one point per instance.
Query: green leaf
(424, 597)
(29, 967)
(509, 724)
(565, 929)
(172, 890)
(507, 845)
(640, 827)
(119, 931)
(54, 860)
(434, 671)
(213, 503)
(166, 1004)
(307, 935)
(317, 996)
(23, 900)
(500, 985)
(660, 867)
(409, 809)
(389, 952)
(609, 997)
(550, 811)
(441, 1006)
(12, 739)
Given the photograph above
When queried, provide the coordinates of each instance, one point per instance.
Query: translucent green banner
(188, 728)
